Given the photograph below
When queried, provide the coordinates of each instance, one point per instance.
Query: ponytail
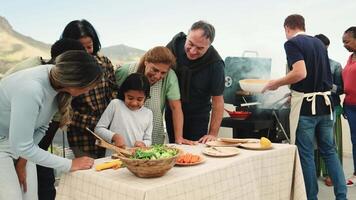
(73, 69)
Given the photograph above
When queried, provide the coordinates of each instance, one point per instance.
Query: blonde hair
(159, 54)
(73, 68)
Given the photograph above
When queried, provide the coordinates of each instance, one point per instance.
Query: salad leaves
(155, 152)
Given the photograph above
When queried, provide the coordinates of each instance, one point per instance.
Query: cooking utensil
(238, 114)
(250, 104)
(101, 142)
(253, 85)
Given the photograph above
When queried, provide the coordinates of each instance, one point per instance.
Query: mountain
(16, 47)
(119, 54)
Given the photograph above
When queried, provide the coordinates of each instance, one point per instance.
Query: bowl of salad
(154, 161)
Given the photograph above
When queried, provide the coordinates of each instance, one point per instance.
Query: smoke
(272, 99)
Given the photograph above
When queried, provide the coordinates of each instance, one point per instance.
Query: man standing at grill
(200, 72)
(311, 107)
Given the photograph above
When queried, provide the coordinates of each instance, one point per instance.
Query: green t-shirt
(170, 86)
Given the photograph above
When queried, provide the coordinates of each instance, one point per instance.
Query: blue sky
(240, 25)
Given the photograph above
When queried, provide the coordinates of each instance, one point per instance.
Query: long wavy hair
(76, 69)
(159, 54)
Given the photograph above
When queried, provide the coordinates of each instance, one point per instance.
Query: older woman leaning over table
(156, 65)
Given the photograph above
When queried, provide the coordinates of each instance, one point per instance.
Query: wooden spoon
(101, 142)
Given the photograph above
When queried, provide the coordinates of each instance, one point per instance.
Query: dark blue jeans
(321, 128)
(350, 112)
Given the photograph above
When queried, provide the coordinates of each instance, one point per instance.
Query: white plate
(238, 140)
(255, 146)
(221, 144)
(221, 151)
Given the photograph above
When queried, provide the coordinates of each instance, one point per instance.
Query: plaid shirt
(87, 109)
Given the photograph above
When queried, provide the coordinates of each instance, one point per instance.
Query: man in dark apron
(311, 113)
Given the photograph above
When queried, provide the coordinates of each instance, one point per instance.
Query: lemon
(265, 142)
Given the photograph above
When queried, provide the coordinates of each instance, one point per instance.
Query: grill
(265, 120)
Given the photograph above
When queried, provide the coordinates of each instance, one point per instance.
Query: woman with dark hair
(349, 77)
(28, 101)
(126, 122)
(156, 65)
(88, 108)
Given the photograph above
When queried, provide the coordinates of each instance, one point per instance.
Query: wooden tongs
(101, 142)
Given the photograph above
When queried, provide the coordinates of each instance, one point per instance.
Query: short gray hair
(208, 29)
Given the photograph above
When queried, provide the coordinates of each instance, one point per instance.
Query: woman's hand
(119, 140)
(139, 144)
(81, 163)
(21, 173)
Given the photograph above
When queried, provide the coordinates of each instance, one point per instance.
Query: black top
(318, 79)
(206, 78)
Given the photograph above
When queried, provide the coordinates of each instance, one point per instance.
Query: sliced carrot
(187, 158)
(194, 159)
(180, 159)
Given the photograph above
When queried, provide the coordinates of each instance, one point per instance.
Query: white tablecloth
(252, 175)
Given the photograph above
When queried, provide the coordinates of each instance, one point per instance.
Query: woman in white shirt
(126, 122)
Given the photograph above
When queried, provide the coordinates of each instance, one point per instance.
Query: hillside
(16, 47)
(121, 53)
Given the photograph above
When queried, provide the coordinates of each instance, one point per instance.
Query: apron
(296, 104)
(154, 104)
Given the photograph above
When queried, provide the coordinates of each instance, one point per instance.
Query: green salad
(155, 152)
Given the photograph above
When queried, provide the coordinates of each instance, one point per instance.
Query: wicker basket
(150, 168)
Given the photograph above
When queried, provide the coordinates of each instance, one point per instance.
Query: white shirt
(132, 125)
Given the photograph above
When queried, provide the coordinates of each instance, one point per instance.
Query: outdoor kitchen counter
(251, 175)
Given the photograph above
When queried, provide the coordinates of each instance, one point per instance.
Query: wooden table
(251, 175)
